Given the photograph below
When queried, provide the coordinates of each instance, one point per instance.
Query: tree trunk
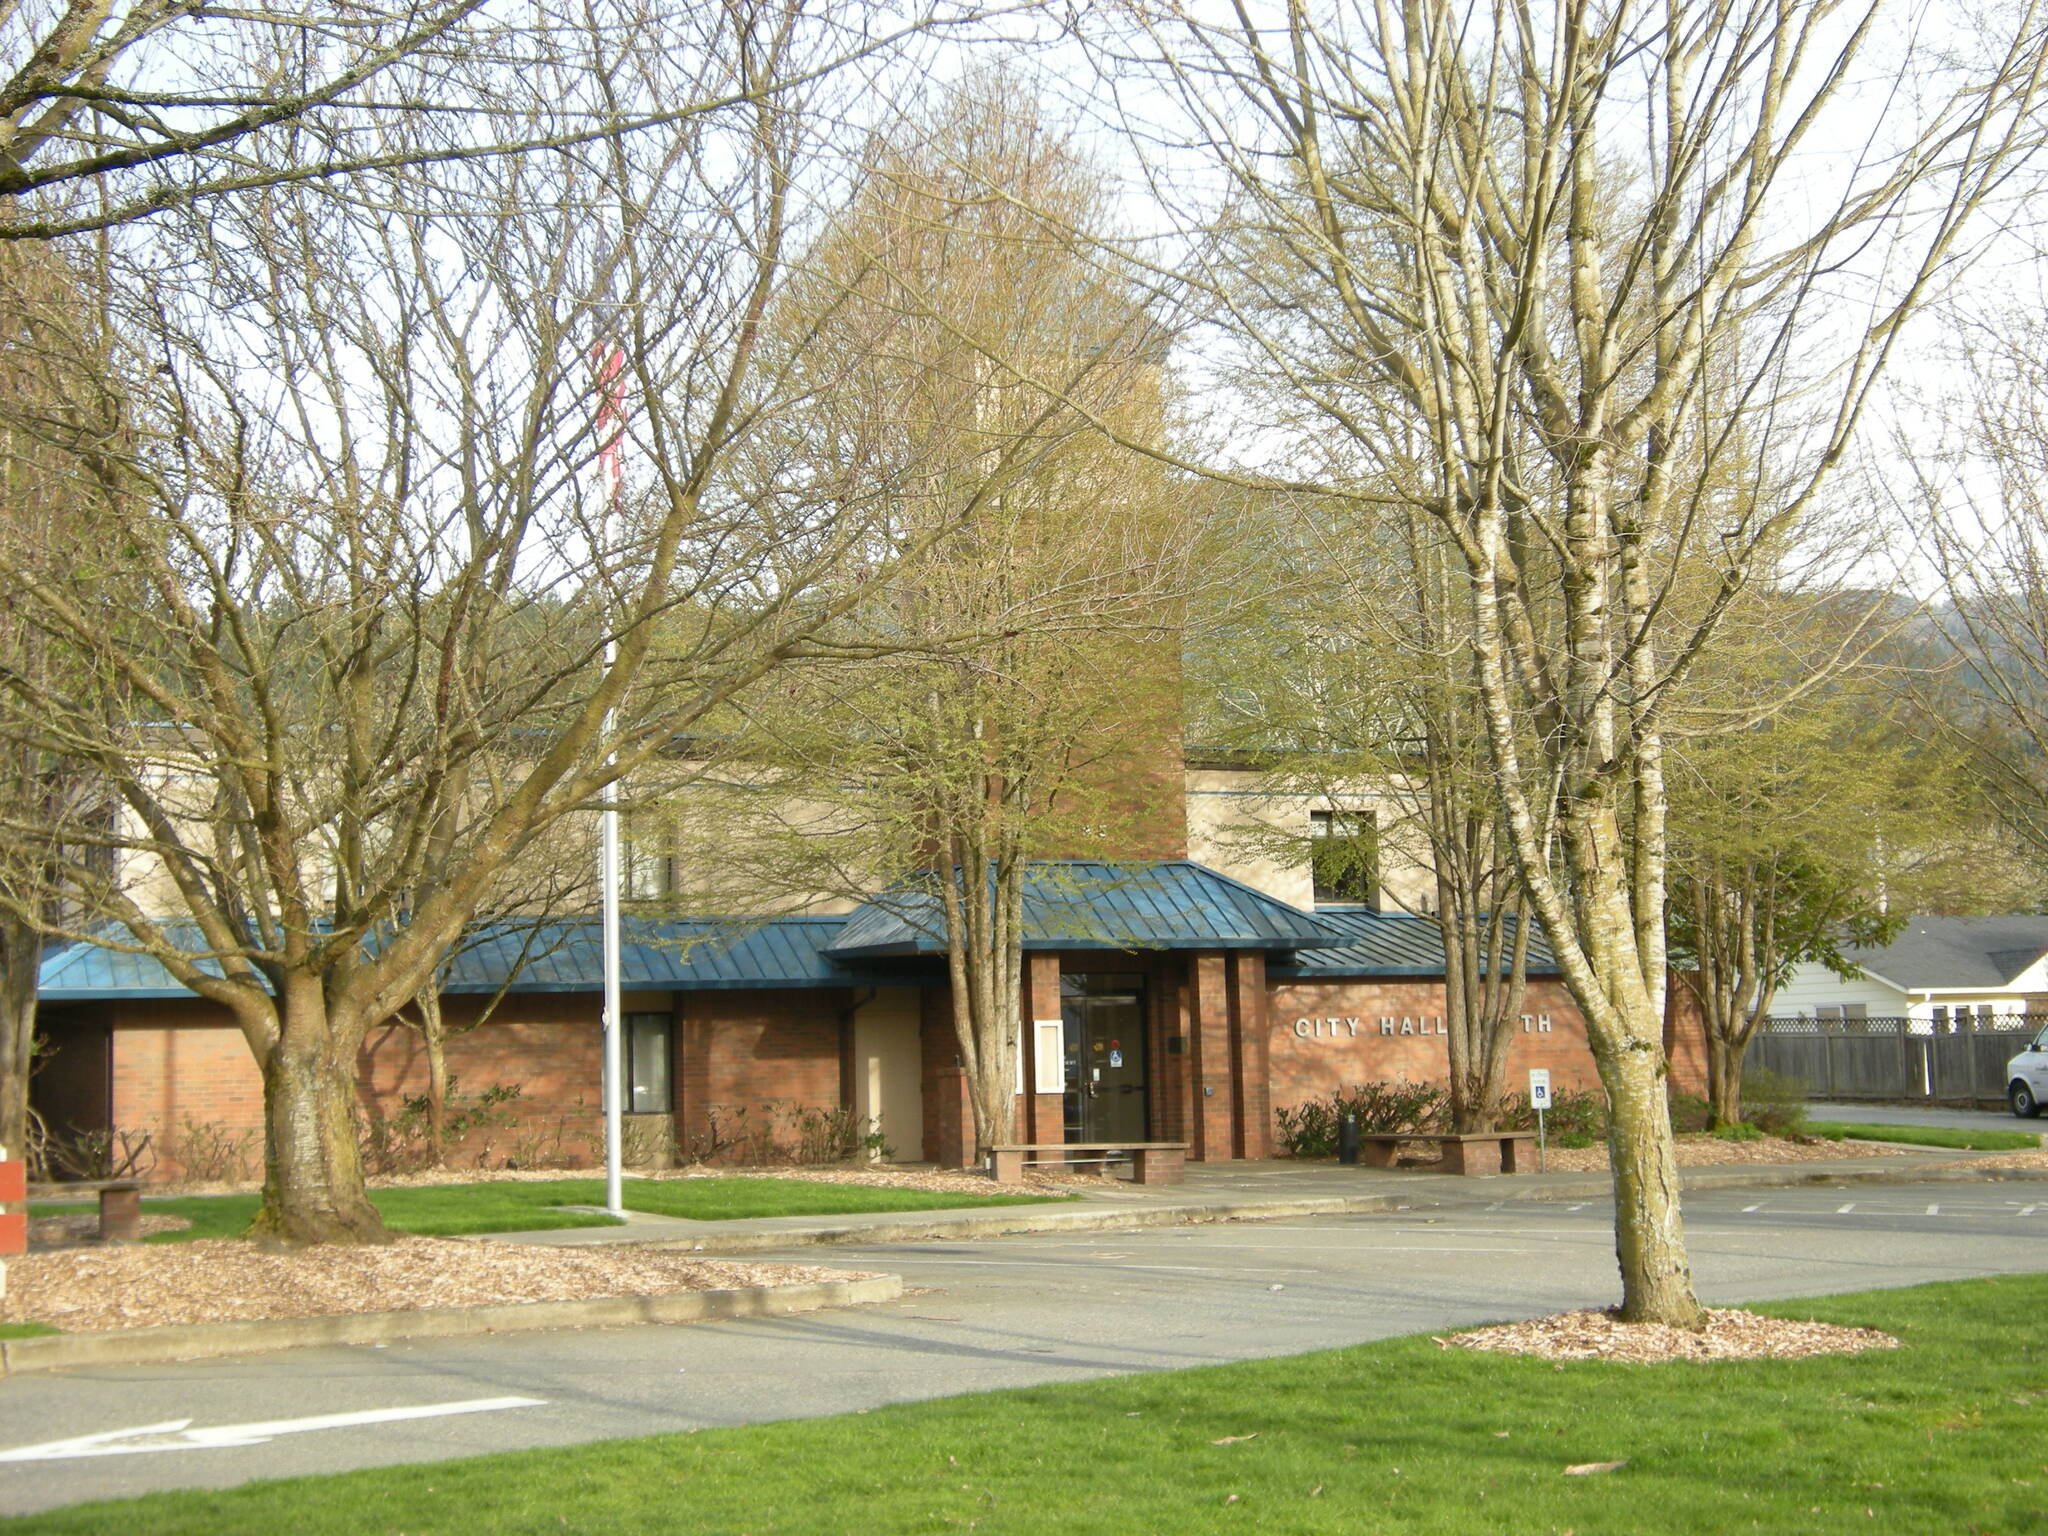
(21, 951)
(313, 1188)
(434, 1039)
(1649, 1241)
(1724, 1078)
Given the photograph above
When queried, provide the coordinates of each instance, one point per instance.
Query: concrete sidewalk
(1251, 1191)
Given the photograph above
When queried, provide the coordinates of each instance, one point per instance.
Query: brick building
(1164, 999)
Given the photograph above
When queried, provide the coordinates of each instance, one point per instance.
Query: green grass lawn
(1943, 1435)
(25, 1330)
(1927, 1136)
(459, 1210)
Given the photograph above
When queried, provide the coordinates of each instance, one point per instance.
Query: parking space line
(1843, 1210)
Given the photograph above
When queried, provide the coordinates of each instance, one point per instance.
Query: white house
(1939, 970)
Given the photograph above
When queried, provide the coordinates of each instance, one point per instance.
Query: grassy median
(462, 1210)
(1402, 1436)
(1926, 1136)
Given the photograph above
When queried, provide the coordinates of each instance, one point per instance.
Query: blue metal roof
(697, 955)
(1084, 904)
(1066, 906)
(1387, 944)
(81, 972)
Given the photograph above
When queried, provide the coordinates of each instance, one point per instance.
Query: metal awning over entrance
(1100, 905)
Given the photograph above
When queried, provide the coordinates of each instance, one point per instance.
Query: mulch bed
(1728, 1335)
(227, 1280)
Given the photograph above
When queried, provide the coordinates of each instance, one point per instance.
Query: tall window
(647, 1090)
(1344, 856)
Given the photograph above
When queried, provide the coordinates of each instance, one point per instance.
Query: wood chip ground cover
(1728, 1335)
(226, 1280)
(1713, 1152)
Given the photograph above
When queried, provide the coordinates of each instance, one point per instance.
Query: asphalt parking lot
(982, 1315)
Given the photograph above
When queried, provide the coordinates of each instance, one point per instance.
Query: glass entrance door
(1104, 1014)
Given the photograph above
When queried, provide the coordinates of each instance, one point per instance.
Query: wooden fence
(1884, 1059)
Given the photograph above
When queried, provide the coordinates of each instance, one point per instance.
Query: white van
(2026, 1078)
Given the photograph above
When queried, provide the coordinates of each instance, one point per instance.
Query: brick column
(1169, 1069)
(690, 1067)
(949, 1119)
(1250, 1055)
(1209, 1058)
(1042, 1117)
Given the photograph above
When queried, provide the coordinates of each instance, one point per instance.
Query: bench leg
(120, 1215)
(1157, 1167)
(1008, 1167)
(1377, 1154)
(1472, 1159)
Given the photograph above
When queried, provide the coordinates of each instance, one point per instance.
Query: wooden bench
(120, 1204)
(1473, 1154)
(1152, 1162)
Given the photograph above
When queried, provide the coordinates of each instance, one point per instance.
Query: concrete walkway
(1248, 1191)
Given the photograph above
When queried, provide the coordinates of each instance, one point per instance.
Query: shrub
(404, 1142)
(1577, 1117)
(1741, 1131)
(207, 1152)
(1386, 1109)
(1690, 1114)
(1773, 1103)
(550, 1142)
(783, 1131)
(115, 1154)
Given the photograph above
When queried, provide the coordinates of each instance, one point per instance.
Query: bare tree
(370, 678)
(1032, 686)
(113, 113)
(1821, 828)
(1354, 682)
(55, 407)
(1576, 265)
(1980, 509)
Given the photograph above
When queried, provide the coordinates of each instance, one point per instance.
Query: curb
(1789, 1176)
(199, 1341)
(1015, 1222)
(1023, 1222)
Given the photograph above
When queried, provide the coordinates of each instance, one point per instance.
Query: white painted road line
(2029, 1210)
(1748, 1208)
(175, 1435)
(1934, 1210)
(1843, 1210)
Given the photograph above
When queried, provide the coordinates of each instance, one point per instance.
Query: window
(647, 1091)
(1344, 858)
(645, 875)
(1939, 1017)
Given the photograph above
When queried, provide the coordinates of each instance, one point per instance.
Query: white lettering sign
(1327, 1029)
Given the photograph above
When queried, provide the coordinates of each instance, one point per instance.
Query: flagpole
(614, 1063)
(609, 412)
